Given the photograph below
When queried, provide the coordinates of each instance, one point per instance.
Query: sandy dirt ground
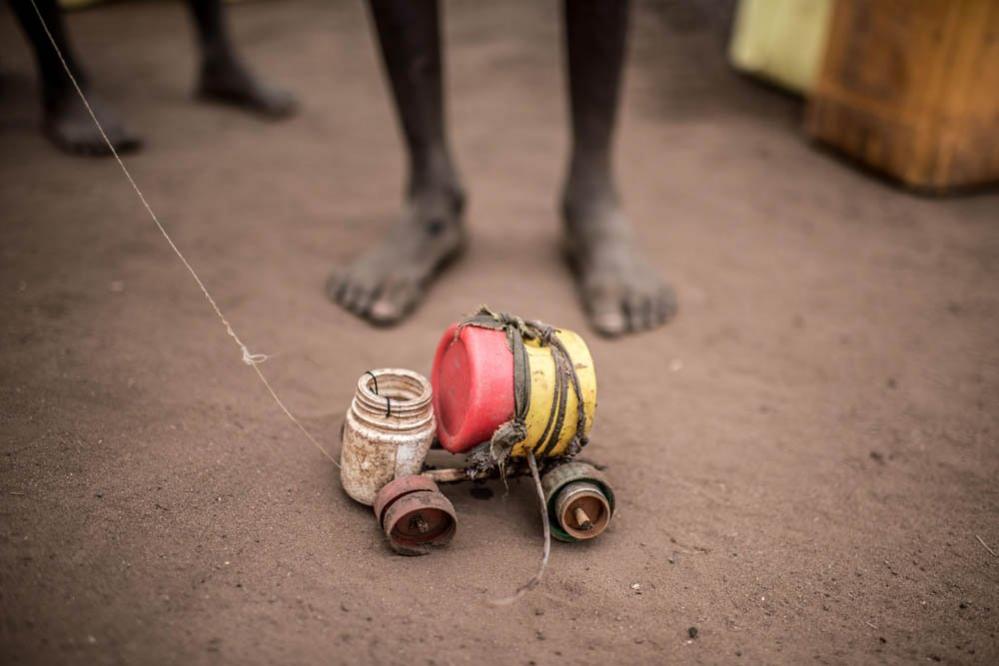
(805, 460)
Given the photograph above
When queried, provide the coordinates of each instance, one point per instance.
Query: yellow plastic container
(782, 41)
(542, 414)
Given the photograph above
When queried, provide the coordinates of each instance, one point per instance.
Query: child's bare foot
(224, 79)
(621, 292)
(69, 126)
(390, 280)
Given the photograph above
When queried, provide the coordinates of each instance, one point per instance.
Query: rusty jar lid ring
(419, 520)
(397, 488)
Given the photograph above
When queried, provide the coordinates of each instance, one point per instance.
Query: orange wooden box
(911, 88)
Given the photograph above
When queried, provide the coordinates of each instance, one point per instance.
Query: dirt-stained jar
(387, 431)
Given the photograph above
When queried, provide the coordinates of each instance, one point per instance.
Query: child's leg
(223, 77)
(620, 291)
(385, 284)
(66, 121)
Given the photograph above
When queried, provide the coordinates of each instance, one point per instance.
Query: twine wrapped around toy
(514, 431)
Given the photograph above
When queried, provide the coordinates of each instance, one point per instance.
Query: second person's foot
(68, 125)
(228, 81)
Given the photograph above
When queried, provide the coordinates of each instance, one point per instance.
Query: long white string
(249, 358)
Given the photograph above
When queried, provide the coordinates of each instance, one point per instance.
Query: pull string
(249, 358)
(547, 536)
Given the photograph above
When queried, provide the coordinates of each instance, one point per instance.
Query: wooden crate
(911, 87)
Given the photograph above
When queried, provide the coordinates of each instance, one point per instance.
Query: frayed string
(546, 525)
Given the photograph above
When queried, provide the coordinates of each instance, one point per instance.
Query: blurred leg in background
(620, 291)
(65, 120)
(222, 77)
(386, 283)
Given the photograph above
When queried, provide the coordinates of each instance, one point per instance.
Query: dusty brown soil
(804, 459)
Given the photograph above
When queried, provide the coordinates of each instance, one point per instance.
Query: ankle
(445, 201)
(582, 198)
(218, 58)
(589, 183)
(433, 177)
(591, 213)
(56, 92)
(53, 99)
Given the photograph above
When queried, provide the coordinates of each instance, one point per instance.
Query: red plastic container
(472, 380)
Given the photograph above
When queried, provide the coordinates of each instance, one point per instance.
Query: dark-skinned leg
(223, 77)
(386, 283)
(620, 291)
(66, 121)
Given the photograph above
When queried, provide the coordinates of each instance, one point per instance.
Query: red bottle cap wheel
(396, 488)
(417, 521)
(414, 515)
(472, 379)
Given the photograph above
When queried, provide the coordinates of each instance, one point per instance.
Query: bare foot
(621, 292)
(69, 126)
(228, 81)
(389, 281)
